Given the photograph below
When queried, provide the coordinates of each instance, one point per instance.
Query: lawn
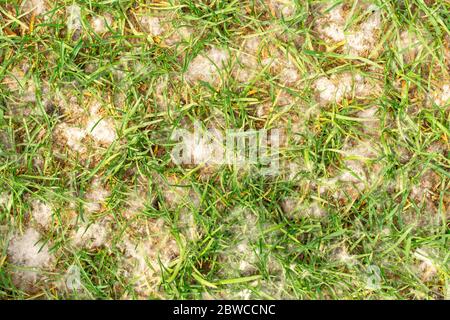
(347, 198)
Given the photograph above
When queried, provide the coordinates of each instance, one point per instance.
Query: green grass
(236, 215)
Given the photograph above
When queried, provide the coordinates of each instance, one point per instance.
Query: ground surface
(92, 204)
